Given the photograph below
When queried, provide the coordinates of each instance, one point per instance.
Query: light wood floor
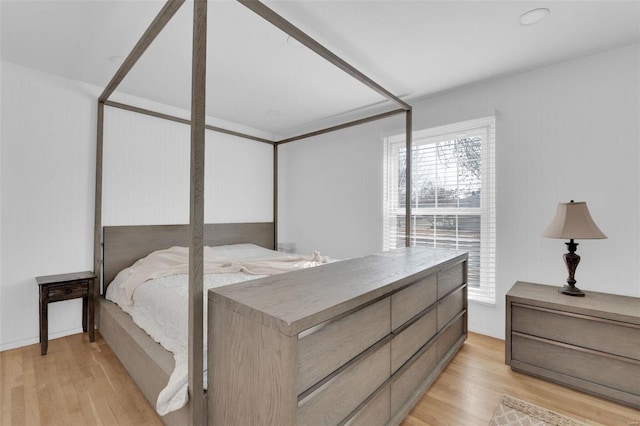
(82, 383)
(468, 391)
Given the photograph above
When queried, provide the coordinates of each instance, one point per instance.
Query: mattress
(159, 303)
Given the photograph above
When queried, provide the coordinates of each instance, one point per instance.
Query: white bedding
(160, 305)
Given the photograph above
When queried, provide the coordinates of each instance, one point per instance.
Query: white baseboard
(36, 340)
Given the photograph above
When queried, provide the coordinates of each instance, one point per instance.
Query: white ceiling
(415, 49)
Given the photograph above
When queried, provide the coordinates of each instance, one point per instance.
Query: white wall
(48, 163)
(47, 178)
(146, 173)
(569, 131)
(330, 190)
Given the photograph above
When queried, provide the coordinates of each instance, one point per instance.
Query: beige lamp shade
(573, 220)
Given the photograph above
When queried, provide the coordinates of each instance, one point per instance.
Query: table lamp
(572, 221)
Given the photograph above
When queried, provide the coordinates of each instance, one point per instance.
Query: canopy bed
(282, 349)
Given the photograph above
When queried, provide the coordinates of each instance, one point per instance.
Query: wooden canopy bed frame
(390, 282)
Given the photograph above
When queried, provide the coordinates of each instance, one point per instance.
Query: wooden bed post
(196, 216)
(409, 147)
(275, 196)
(97, 222)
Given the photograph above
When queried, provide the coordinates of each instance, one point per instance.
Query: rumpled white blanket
(165, 289)
(175, 260)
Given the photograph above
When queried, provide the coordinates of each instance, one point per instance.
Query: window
(452, 196)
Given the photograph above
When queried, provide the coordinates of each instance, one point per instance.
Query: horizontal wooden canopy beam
(160, 115)
(343, 126)
(164, 16)
(184, 121)
(286, 26)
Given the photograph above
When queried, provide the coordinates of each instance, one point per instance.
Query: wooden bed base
(148, 363)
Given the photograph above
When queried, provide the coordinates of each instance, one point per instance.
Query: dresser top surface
(603, 305)
(298, 300)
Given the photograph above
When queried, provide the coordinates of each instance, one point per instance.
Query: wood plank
(450, 279)
(375, 412)
(597, 335)
(76, 383)
(408, 167)
(330, 345)
(466, 393)
(342, 126)
(149, 364)
(450, 306)
(123, 245)
(282, 301)
(607, 377)
(287, 27)
(469, 389)
(97, 218)
(409, 302)
(336, 399)
(602, 305)
(173, 118)
(407, 381)
(62, 278)
(408, 341)
(162, 19)
(275, 196)
(251, 360)
(196, 214)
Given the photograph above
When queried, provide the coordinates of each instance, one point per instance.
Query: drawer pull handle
(68, 291)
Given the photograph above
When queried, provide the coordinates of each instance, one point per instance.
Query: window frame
(393, 200)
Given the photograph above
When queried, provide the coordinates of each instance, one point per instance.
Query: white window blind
(452, 196)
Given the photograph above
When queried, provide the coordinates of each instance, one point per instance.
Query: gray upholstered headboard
(123, 245)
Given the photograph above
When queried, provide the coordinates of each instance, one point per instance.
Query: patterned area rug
(514, 412)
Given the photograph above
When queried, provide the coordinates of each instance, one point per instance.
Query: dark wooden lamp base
(571, 259)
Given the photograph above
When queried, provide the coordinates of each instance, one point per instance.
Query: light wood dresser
(353, 342)
(589, 343)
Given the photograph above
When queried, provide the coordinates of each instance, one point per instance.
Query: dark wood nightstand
(54, 288)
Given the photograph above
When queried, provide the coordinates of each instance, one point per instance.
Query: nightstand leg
(44, 326)
(40, 322)
(91, 302)
(85, 300)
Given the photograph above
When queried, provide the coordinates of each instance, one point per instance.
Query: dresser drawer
(450, 336)
(376, 412)
(335, 399)
(410, 379)
(596, 368)
(449, 279)
(68, 291)
(449, 307)
(328, 346)
(410, 301)
(409, 340)
(588, 332)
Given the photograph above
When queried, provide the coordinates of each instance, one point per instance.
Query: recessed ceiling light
(273, 112)
(293, 42)
(533, 16)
